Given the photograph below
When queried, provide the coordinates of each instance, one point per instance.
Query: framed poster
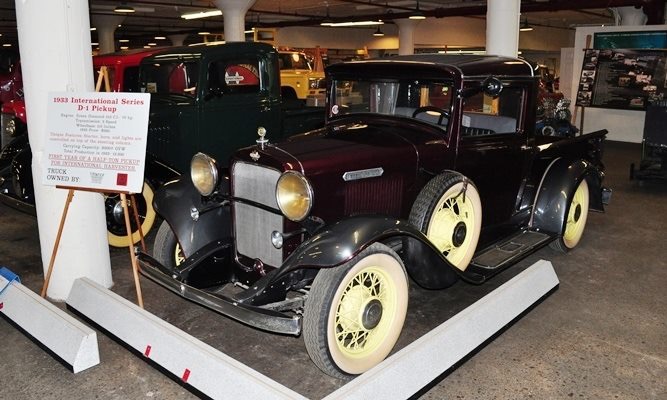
(96, 140)
(627, 79)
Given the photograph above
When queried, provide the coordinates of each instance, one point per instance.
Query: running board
(508, 251)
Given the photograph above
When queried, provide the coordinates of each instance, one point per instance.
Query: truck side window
(486, 115)
(238, 76)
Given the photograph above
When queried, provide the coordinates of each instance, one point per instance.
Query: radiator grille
(377, 195)
(252, 225)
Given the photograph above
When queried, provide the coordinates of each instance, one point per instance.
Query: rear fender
(194, 219)
(558, 184)
(340, 242)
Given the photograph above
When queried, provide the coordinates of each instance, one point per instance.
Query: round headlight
(204, 173)
(294, 195)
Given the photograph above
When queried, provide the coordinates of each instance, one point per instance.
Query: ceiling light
(124, 47)
(353, 23)
(160, 37)
(202, 14)
(378, 32)
(123, 8)
(123, 40)
(525, 26)
(204, 32)
(417, 14)
(152, 44)
(7, 45)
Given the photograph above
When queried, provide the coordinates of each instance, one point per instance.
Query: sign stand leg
(136, 221)
(135, 266)
(70, 194)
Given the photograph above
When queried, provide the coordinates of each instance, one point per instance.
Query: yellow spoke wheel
(575, 222)
(116, 230)
(448, 211)
(355, 312)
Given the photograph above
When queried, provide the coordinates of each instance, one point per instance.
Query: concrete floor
(601, 335)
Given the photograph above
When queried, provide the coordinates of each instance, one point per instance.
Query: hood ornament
(261, 131)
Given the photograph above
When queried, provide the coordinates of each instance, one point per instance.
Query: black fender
(177, 201)
(558, 184)
(338, 243)
(158, 173)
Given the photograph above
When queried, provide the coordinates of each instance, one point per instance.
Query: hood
(349, 144)
(353, 167)
(171, 99)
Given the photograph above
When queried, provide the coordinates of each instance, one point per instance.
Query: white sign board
(96, 140)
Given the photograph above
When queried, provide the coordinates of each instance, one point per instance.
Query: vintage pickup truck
(428, 167)
(209, 98)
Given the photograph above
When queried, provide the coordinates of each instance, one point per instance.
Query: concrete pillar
(233, 12)
(61, 61)
(502, 27)
(178, 40)
(106, 27)
(406, 35)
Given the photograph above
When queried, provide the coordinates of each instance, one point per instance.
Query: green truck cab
(214, 99)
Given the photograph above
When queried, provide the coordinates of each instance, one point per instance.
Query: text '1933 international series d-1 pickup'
(428, 168)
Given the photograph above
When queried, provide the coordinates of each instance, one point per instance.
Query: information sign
(96, 140)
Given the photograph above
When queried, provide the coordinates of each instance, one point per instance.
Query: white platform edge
(71, 340)
(416, 365)
(398, 377)
(211, 372)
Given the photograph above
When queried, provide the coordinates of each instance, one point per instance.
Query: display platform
(403, 374)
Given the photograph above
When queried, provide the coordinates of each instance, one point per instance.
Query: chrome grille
(252, 225)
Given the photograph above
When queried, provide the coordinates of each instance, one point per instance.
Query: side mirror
(492, 86)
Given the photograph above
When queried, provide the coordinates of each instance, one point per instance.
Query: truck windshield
(293, 61)
(170, 77)
(400, 98)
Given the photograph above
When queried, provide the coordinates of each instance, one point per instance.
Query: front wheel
(116, 230)
(166, 248)
(573, 226)
(355, 312)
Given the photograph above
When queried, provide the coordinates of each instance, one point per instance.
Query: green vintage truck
(214, 99)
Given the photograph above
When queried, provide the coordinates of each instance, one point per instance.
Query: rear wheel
(577, 214)
(354, 313)
(166, 248)
(448, 211)
(116, 230)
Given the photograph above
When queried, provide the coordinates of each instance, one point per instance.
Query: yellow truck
(299, 79)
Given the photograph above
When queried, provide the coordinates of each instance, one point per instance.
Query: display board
(624, 70)
(622, 78)
(96, 140)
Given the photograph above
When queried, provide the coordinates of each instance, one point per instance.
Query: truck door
(235, 102)
(493, 149)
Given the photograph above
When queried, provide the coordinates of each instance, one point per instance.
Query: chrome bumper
(254, 316)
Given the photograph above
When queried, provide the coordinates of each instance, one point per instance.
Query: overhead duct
(629, 16)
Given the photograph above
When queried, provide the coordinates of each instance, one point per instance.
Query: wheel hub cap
(118, 214)
(577, 213)
(371, 314)
(459, 235)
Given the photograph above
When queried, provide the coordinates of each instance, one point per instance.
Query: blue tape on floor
(10, 276)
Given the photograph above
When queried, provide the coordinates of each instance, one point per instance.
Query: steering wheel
(443, 113)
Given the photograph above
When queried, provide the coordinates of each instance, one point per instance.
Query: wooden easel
(102, 77)
(135, 266)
